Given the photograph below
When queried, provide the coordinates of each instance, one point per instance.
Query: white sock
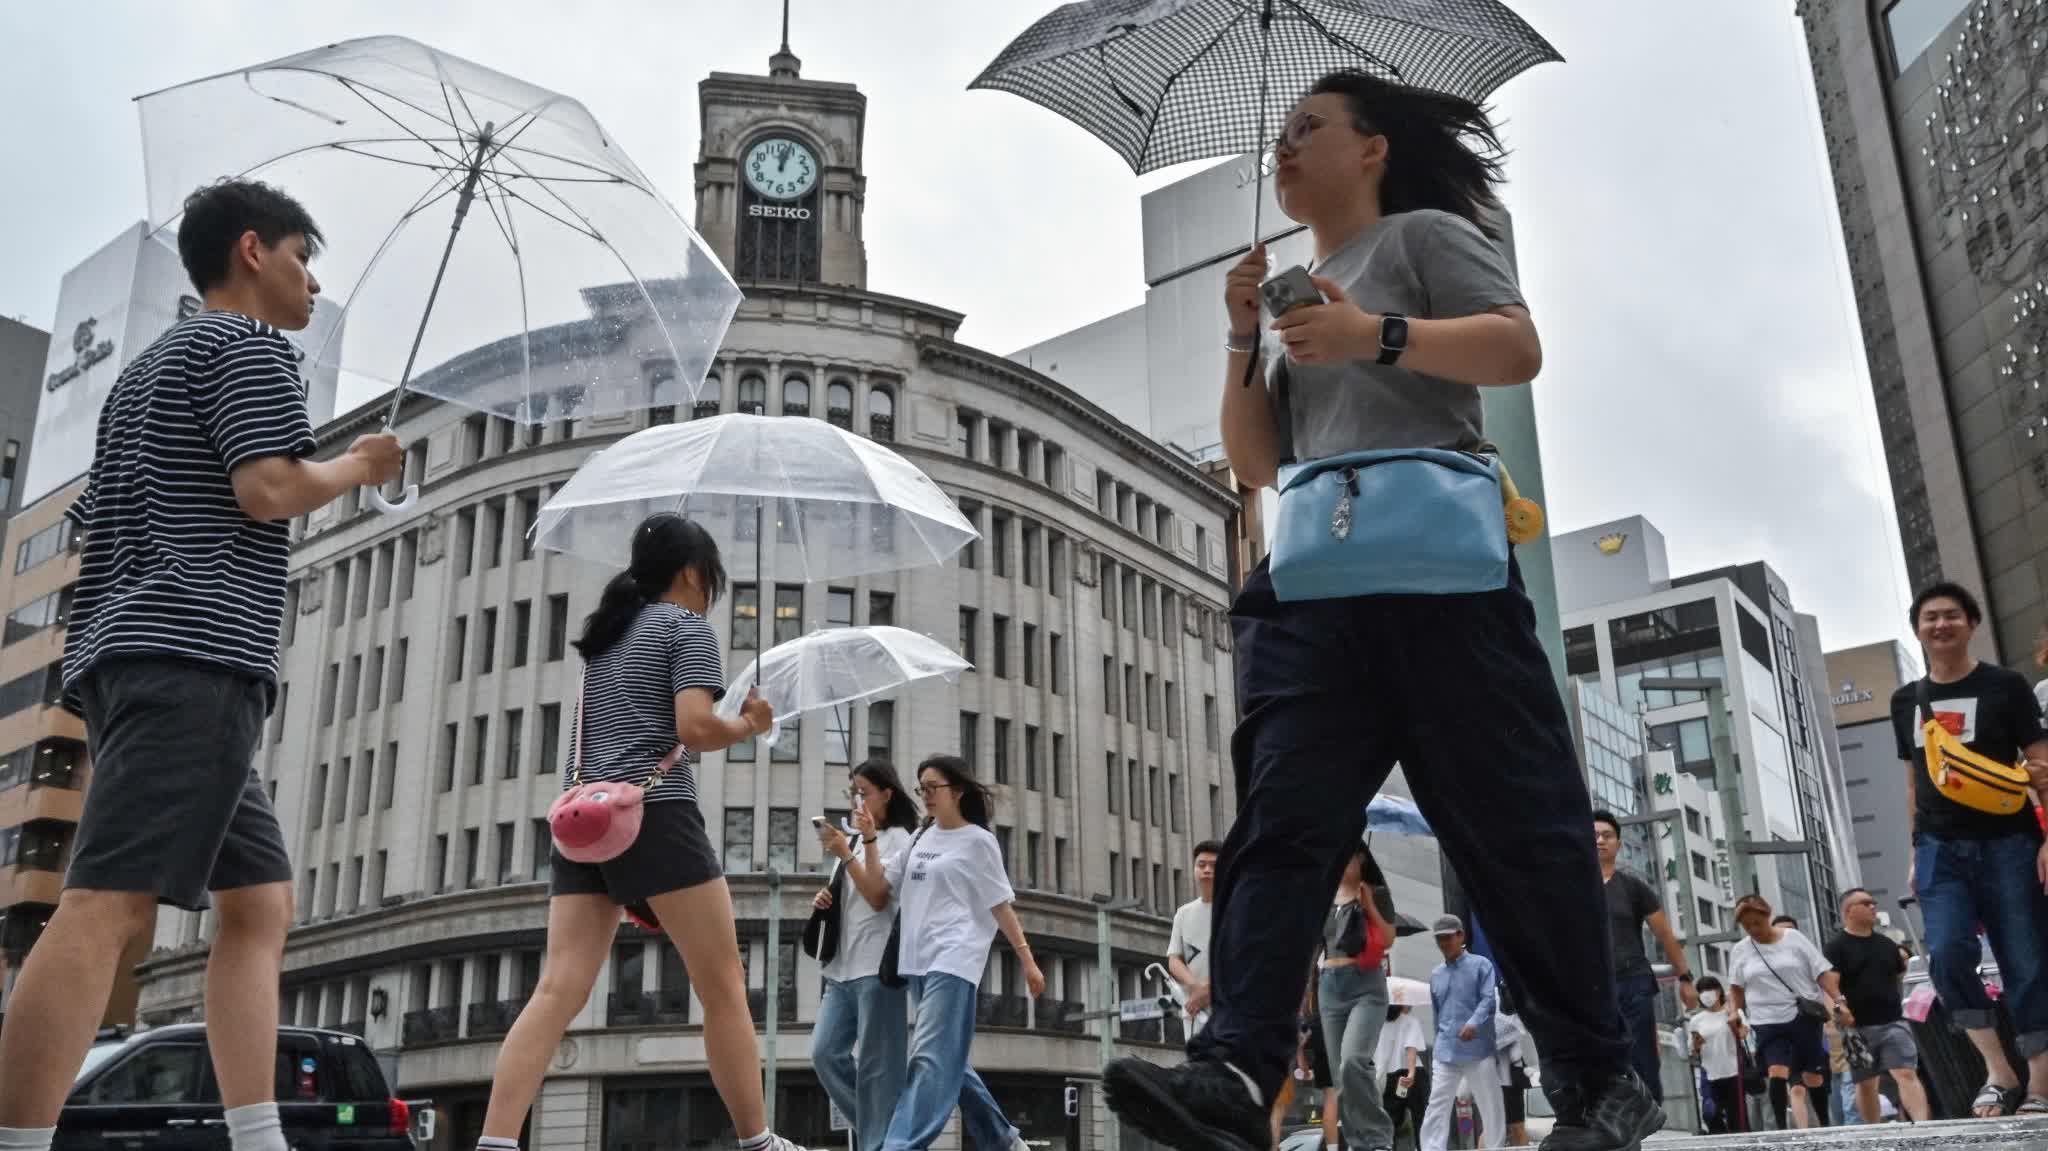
(493, 1143)
(756, 1142)
(1258, 1096)
(255, 1128)
(26, 1138)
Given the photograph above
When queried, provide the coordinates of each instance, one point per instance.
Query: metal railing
(430, 1025)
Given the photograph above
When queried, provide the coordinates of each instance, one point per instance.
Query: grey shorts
(174, 806)
(1891, 1047)
(672, 852)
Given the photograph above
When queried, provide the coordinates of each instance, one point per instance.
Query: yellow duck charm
(1525, 516)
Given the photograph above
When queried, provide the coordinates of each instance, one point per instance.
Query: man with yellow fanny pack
(1971, 736)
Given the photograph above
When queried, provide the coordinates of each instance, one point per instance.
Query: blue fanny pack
(1402, 521)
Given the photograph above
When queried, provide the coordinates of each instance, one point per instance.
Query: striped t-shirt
(630, 692)
(171, 564)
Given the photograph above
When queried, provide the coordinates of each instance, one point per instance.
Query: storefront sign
(1849, 694)
(777, 212)
(87, 349)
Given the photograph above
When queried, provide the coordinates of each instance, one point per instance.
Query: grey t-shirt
(1424, 264)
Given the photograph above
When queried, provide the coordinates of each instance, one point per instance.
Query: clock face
(779, 168)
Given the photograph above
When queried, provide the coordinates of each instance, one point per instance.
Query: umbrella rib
(510, 227)
(359, 90)
(1346, 43)
(560, 159)
(387, 159)
(446, 186)
(509, 193)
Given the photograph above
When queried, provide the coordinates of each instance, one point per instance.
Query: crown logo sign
(1610, 544)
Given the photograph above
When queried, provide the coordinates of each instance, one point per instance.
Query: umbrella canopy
(1395, 816)
(837, 666)
(1163, 82)
(839, 505)
(568, 286)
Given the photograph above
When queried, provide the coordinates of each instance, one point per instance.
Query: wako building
(428, 684)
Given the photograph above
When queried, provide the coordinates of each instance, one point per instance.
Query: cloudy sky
(1674, 219)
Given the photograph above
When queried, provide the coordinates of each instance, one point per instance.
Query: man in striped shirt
(171, 657)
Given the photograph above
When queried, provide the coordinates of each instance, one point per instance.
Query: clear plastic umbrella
(837, 666)
(838, 505)
(567, 286)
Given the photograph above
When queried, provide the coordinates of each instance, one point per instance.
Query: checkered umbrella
(1168, 81)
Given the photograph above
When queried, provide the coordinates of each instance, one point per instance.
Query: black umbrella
(1167, 81)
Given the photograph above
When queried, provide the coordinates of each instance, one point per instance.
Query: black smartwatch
(1393, 337)
(1685, 978)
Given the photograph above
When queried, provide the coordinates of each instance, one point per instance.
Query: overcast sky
(1674, 219)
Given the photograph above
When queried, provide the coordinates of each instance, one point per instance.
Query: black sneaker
(1196, 1106)
(1616, 1115)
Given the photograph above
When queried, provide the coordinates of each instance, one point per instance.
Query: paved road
(2003, 1134)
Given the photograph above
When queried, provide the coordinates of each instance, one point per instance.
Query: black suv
(154, 1091)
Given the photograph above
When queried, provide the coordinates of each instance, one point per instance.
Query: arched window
(796, 396)
(708, 397)
(839, 404)
(753, 394)
(881, 412)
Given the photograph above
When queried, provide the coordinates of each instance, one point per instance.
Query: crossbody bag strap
(1759, 949)
(576, 750)
(1923, 695)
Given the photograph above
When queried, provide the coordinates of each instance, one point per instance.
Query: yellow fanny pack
(1963, 776)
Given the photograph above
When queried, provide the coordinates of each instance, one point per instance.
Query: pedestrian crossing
(1960, 1135)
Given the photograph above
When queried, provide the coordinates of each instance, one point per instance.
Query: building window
(970, 737)
(709, 398)
(515, 729)
(1109, 685)
(881, 413)
(970, 555)
(387, 777)
(522, 631)
(550, 737)
(494, 533)
(839, 735)
(882, 730)
(1002, 762)
(1034, 848)
(753, 394)
(465, 541)
(1151, 702)
(398, 669)
(487, 643)
(529, 516)
(1030, 655)
(480, 746)
(739, 839)
(1030, 758)
(1115, 781)
(746, 617)
(789, 612)
(1059, 764)
(839, 607)
(8, 462)
(1056, 664)
(1131, 713)
(450, 736)
(967, 629)
(789, 745)
(543, 867)
(999, 542)
(505, 871)
(458, 643)
(1136, 786)
(1000, 645)
(881, 609)
(782, 839)
(796, 396)
(839, 404)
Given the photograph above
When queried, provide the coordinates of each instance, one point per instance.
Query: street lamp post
(1104, 905)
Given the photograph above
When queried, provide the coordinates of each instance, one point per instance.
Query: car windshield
(98, 1054)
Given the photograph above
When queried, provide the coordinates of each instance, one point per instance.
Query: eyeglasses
(1298, 130)
(1863, 903)
(1603, 835)
(859, 793)
(930, 789)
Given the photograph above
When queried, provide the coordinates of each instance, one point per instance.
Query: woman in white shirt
(1402, 1045)
(858, 1009)
(1771, 973)
(1715, 1037)
(953, 892)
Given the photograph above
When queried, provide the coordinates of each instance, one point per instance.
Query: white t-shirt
(1396, 1039)
(863, 931)
(947, 885)
(1717, 1050)
(1191, 937)
(1769, 998)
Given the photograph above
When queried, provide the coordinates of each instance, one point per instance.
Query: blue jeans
(940, 1075)
(1353, 1005)
(1962, 883)
(1637, 995)
(862, 1011)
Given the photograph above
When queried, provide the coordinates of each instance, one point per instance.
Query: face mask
(1710, 999)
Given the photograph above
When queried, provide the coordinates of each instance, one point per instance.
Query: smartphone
(1289, 290)
(817, 821)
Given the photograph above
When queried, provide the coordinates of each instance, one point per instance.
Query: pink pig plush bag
(597, 822)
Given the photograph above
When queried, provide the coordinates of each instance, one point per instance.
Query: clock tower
(778, 175)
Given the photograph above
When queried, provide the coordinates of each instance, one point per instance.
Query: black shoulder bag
(1812, 1009)
(888, 973)
(821, 933)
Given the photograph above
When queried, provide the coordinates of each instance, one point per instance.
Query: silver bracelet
(1248, 347)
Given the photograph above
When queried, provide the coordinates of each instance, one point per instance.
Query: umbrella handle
(391, 507)
(774, 734)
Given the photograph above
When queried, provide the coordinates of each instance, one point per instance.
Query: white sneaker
(778, 1143)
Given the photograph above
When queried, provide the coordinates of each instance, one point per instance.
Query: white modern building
(427, 682)
(1766, 810)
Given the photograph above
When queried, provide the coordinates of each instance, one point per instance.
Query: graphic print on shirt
(1958, 716)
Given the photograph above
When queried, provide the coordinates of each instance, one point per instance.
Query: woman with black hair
(858, 1009)
(953, 892)
(652, 674)
(1420, 313)
(1351, 1001)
